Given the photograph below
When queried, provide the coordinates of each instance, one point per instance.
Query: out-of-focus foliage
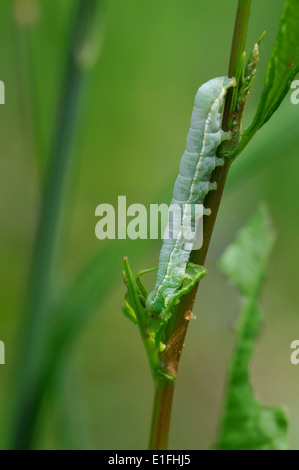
(246, 424)
(153, 58)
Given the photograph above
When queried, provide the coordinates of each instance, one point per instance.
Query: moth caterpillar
(192, 185)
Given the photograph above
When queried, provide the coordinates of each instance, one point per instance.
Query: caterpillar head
(153, 305)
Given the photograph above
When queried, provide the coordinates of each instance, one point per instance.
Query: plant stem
(177, 327)
(147, 341)
(38, 338)
(237, 48)
(161, 415)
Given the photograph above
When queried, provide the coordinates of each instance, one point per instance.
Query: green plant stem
(161, 415)
(38, 340)
(237, 49)
(147, 341)
(177, 328)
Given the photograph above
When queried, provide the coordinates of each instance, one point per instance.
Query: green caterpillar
(192, 185)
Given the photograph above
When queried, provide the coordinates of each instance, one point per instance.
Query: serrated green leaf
(129, 312)
(283, 65)
(246, 424)
(194, 273)
(245, 261)
(143, 318)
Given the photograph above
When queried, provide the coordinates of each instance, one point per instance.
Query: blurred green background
(153, 57)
